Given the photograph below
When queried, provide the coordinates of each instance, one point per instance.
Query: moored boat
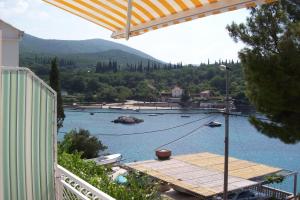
(185, 116)
(214, 124)
(108, 159)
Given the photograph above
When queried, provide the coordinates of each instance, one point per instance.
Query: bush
(139, 187)
(81, 141)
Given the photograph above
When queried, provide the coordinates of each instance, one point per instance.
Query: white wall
(0, 47)
(177, 92)
(9, 49)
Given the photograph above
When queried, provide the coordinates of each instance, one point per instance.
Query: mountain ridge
(84, 53)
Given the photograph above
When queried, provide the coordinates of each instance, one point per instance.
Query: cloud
(23, 8)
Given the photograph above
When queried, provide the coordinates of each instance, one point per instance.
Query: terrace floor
(202, 174)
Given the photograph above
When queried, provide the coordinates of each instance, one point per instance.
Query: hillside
(81, 53)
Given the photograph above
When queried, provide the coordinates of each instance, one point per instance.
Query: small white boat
(214, 124)
(109, 159)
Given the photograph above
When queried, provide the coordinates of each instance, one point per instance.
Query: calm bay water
(245, 142)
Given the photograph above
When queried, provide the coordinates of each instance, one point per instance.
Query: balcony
(71, 187)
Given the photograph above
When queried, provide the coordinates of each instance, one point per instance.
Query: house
(9, 44)
(177, 92)
(164, 96)
(205, 94)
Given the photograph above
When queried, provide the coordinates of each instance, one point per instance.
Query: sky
(192, 42)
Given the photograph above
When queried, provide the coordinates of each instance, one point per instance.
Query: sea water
(245, 141)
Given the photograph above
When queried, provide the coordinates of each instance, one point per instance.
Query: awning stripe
(87, 9)
(197, 3)
(182, 5)
(168, 6)
(138, 8)
(123, 7)
(94, 8)
(148, 14)
(74, 12)
(113, 9)
(154, 7)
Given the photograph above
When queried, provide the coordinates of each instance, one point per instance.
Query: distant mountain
(82, 53)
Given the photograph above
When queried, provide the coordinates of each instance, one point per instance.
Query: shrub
(139, 187)
(81, 141)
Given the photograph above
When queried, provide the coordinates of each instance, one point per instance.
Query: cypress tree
(55, 85)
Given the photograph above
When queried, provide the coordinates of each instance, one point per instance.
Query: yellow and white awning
(127, 18)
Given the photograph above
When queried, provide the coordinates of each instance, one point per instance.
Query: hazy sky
(191, 42)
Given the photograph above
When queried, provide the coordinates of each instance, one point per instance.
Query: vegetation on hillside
(82, 53)
(271, 64)
(106, 82)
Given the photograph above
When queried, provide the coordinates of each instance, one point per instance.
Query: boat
(185, 116)
(214, 124)
(108, 159)
(91, 113)
(115, 108)
(153, 115)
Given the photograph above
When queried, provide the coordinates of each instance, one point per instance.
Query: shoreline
(129, 105)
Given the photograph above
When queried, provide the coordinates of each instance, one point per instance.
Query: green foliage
(81, 141)
(274, 179)
(55, 85)
(146, 86)
(138, 187)
(271, 67)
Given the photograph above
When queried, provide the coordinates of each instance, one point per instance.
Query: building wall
(27, 136)
(9, 49)
(0, 47)
(177, 92)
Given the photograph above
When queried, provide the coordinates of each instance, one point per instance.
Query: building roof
(203, 173)
(176, 87)
(205, 92)
(21, 33)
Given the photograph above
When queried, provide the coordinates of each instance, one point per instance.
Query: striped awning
(127, 18)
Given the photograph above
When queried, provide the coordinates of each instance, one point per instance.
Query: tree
(55, 85)
(81, 141)
(271, 64)
(92, 85)
(185, 98)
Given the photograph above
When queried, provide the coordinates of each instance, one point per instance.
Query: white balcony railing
(71, 187)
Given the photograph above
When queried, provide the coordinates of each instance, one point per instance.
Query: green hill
(81, 53)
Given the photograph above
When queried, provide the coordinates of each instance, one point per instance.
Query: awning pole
(129, 8)
(295, 185)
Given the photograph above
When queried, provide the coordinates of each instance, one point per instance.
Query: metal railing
(271, 192)
(71, 187)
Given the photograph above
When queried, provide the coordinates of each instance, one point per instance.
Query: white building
(9, 44)
(205, 94)
(177, 92)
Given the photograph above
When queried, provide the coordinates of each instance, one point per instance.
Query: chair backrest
(27, 136)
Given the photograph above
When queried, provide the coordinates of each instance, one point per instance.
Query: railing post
(58, 184)
(295, 185)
